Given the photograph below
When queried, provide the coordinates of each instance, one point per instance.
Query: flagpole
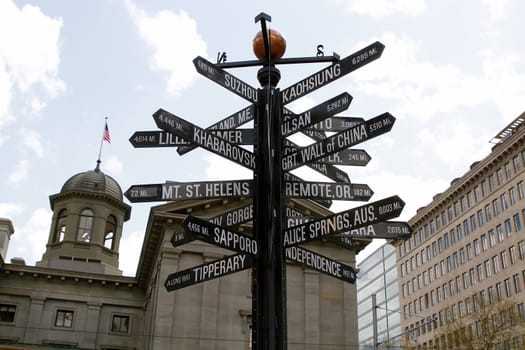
(104, 131)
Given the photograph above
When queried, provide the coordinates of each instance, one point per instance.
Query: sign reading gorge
(367, 214)
(192, 133)
(209, 271)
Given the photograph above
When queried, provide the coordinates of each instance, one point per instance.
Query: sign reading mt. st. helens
(225, 79)
(340, 141)
(230, 122)
(192, 133)
(208, 271)
(333, 72)
(175, 191)
(316, 114)
(160, 138)
(367, 214)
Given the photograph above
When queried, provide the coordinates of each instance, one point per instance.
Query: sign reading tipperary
(230, 122)
(367, 214)
(208, 271)
(175, 191)
(327, 190)
(321, 263)
(225, 79)
(159, 138)
(192, 133)
(333, 72)
(315, 115)
(386, 230)
(220, 236)
(337, 142)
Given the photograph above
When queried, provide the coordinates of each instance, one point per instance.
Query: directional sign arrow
(297, 122)
(225, 79)
(333, 72)
(220, 236)
(175, 191)
(230, 122)
(336, 124)
(192, 133)
(386, 230)
(337, 142)
(208, 271)
(321, 263)
(328, 170)
(159, 138)
(328, 190)
(367, 214)
(327, 203)
(354, 157)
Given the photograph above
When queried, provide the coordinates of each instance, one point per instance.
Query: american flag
(106, 134)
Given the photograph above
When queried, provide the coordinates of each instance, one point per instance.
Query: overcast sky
(452, 73)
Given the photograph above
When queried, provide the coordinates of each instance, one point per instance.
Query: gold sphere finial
(277, 45)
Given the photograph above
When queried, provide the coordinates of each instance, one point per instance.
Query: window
(456, 209)
(512, 196)
(484, 242)
(492, 295)
(492, 237)
(473, 225)
(487, 268)
(504, 201)
(504, 259)
(446, 240)
(521, 247)
(85, 225)
(480, 218)
(64, 318)
(462, 255)
(488, 214)
(469, 251)
(495, 207)
(508, 228)
(479, 268)
(516, 161)
(508, 170)
(499, 173)
(476, 247)
(120, 324)
(466, 228)
(517, 283)
(109, 234)
(484, 187)
(499, 230)
(513, 256)
(60, 228)
(517, 222)
(492, 182)
(521, 189)
(508, 289)
(495, 264)
(465, 280)
(7, 313)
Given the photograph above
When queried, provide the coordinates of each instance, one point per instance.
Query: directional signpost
(279, 231)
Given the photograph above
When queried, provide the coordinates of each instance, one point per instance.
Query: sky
(452, 74)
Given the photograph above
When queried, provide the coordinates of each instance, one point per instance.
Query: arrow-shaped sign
(340, 141)
(159, 138)
(208, 271)
(327, 203)
(336, 124)
(225, 79)
(175, 191)
(297, 122)
(327, 190)
(333, 72)
(385, 229)
(192, 133)
(367, 214)
(230, 122)
(220, 236)
(354, 157)
(321, 263)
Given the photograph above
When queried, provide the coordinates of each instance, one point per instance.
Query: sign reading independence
(333, 72)
(174, 191)
(321, 263)
(208, 271)
(192, 133)
(225, 79)
(230, 122)
(340, 141)
(367, 214)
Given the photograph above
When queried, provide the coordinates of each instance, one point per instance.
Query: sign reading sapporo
(208, 271)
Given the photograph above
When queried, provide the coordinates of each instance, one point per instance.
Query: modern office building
(76, 297)
(378, 276)
(468, 245)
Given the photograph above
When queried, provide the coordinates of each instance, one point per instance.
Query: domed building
(76, 297)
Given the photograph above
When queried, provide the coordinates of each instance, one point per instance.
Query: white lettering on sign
(365, 231)
(318, 189)
(225, 189)
(240, 87)
(311, 83)
(295, 123)
(234, 241)
(220, 146)
(218, 268)
(351, 136)
(315, 261)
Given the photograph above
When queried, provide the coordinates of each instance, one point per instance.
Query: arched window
(85, 225)
(109, 232)
(60, 228)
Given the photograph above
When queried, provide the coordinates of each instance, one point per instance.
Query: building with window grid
(468, 244)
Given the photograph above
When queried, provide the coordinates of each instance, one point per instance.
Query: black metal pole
(269, 288)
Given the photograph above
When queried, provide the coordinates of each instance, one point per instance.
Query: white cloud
(219, 168)
(20, 172)
(382, 8)
(29, 55)
(130, 247)
(113, 165)
(174, 40)
(30, 238)
(9, 210)
(497, 9)
(32, 140)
